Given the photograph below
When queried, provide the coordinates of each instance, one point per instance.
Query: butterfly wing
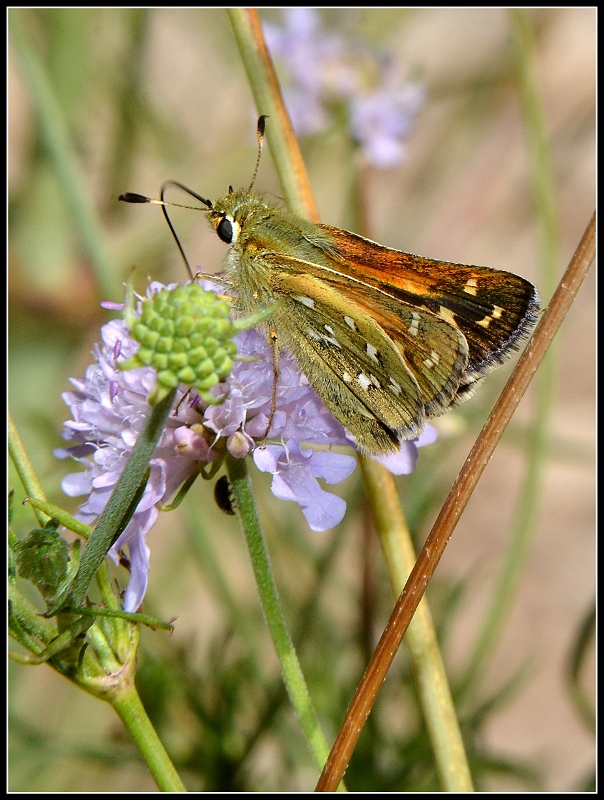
(434, 351)
(494, 310)
(342, 345)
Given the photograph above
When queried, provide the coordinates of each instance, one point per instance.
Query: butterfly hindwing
(354, 382)
(361, 375)
(434, 351)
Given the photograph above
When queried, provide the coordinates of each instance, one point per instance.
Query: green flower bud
(43, 557)
(187, 336)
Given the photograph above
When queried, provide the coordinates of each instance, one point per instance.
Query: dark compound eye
(225, 230)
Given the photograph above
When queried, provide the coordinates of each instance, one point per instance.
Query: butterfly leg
(273, 339)
(180, 402)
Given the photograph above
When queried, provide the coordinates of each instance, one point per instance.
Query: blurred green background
(146, 95)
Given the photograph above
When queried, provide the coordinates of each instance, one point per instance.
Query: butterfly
(387, 339)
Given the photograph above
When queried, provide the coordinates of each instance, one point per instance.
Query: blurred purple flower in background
(381, 120)
(326, 71)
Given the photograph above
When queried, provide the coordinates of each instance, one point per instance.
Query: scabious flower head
(326, 72)
(186, 335)
(110, 404)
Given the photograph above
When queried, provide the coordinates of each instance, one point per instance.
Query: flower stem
(130, 709)
(428, 668)
(283, 144)
(290, 666)
(61, 152)
(24, 468)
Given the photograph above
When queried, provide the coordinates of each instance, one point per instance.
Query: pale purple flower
(310, 55)
(326, 72)
(381, 121)
(109, 407)
(295, 472)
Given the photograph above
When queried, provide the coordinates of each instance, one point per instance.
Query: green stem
(426, 661)
(24, 468)
(111, 519)
(539, 150)
(585, 641)
(38, 631)
(269, 597)
(132, 713)
(267, 94)
(62, 156)
(65, 518)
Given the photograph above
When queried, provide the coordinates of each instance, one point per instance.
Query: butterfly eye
(224, 229)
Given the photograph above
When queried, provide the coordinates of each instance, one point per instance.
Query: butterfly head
(230, 214)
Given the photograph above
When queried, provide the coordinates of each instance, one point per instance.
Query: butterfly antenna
(260, 135)
(132, 197)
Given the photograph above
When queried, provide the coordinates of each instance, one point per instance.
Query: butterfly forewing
(495, 310)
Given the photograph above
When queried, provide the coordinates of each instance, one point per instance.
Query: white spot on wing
(332, 338)
(363, 381)
(372, 352)
(446, 314)
(471, 287)
(414, 327)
